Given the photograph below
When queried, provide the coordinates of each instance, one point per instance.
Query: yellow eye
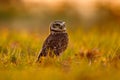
(57, 24)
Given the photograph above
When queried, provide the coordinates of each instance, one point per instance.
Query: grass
(90, 55)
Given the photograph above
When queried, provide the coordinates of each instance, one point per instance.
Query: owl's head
(57, 26)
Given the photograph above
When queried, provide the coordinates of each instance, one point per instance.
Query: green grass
(90, 55)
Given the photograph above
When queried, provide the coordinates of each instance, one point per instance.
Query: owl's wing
(45, 47)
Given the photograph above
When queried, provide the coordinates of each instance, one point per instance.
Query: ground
(91, 55)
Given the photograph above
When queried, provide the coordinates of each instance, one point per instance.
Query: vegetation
(91, 55)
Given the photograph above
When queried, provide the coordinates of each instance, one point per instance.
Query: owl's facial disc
(58, 26)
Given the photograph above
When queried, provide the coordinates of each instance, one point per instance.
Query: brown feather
(55, 43)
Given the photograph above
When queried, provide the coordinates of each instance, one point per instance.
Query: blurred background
(37, 14)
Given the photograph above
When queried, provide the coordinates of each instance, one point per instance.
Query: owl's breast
(59, 41)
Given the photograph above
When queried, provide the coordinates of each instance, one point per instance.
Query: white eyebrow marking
(63, 23)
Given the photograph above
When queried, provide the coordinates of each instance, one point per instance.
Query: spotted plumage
(57, 41)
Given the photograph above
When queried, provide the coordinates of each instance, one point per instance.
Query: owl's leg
(56, 52)
(59, 59)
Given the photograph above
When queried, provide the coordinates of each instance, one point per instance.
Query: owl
(57, 41)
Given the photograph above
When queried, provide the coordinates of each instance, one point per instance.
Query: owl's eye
(57, 25)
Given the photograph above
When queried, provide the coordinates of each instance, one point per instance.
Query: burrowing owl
(57, 41)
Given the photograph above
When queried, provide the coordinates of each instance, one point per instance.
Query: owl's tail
(38, 58)
(41, 54)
